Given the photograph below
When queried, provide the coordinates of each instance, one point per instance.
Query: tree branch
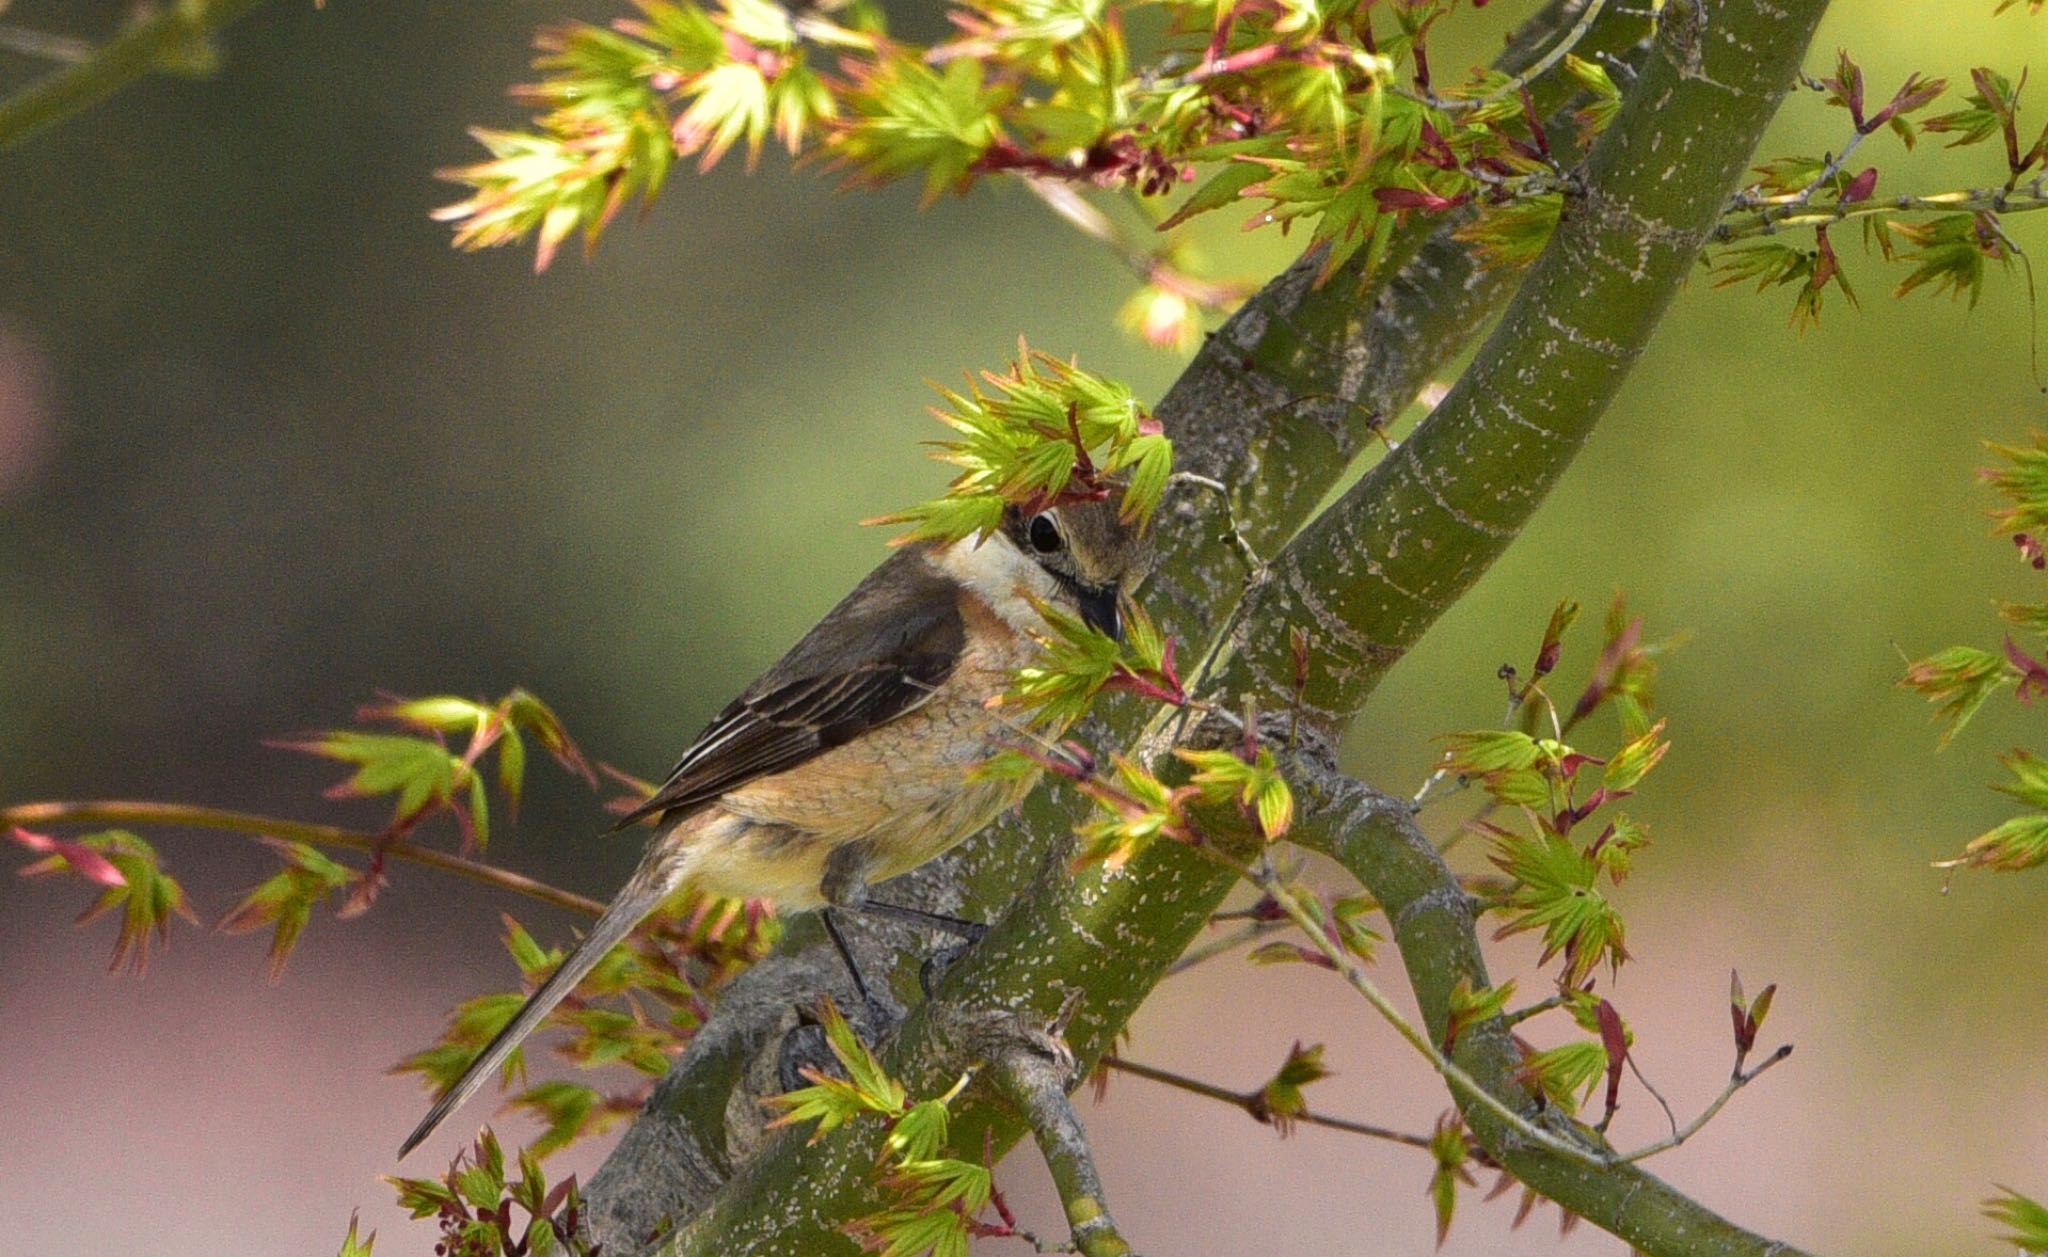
(1032, 1070)
(1375, 837)
(1248, 1102)
(173, 39)
(185, 816)
(1274, 405)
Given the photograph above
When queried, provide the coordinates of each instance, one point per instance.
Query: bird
(850, 760)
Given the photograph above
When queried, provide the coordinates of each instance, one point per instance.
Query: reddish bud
(2030, 549)
(2033, 673)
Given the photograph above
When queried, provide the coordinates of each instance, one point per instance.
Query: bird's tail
(661, 873)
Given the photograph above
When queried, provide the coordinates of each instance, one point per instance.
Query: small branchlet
(1947, 237)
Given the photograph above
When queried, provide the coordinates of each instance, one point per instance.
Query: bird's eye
(1045, 535)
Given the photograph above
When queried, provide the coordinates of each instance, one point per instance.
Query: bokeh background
(268, 447)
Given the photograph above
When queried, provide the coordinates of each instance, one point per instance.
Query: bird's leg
(959, 927)
(830, 917)
(805, 1048)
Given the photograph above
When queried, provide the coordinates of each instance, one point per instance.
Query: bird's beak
(1099, 609)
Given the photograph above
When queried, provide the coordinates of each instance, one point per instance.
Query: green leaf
(2020, 843)
(903, 116)
(147, 896)
(2030, 778)
(568, 1112)
(920, 1133)
(1223, 777)
(1629, 765)
(1481, 751)
(1281, 1100)
(421, 773)
(1220, 189)
(1958, 680)
(1567, 1072)
(1468, 1007)
(1452, 1153)
(1552, 890)
(2025, 1220)
(1951, 251)
(287, 898)
(1513, 235)
(832, 1102)
(353, 1247)
(1035, 434)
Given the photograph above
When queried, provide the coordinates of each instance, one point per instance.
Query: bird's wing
(877, 655)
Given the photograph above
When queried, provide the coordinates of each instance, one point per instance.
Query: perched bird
(848, 761)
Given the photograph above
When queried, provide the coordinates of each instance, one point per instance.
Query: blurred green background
(268, 447)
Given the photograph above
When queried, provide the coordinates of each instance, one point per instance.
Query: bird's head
(1085, 554)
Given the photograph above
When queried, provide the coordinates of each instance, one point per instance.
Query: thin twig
(1762, 216)
(186, 816)
(30, 42)
(1248, 1101)
(167, 39)
(1222, 944)
(1353, 972)
(1736, 1082)
(1655, 1094)
(1540, 67)
(1031, 1068)
(1152, 266)
(1520, 1015)
(1254, 566)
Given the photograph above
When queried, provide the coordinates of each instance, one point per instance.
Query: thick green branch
(173, 38)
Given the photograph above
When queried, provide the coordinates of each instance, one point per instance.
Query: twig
(1761, 216)
(1650, 1087)
(1152, 266)
(1517, 1016)
(1736, 1082)
(1254, 566)
(1222, 944)
(165, 40)
(29, 42)
(1031, 1068)
(1827, 172)
(1353, 972)
(1540, 67)
(116, 812)
(1248, 1101)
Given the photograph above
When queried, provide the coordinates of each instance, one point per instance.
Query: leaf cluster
(1042, 433)
(933, 1199)
(1301, 108)
(474, 1205)
(1946, 240)
(1958, 680)
(425, 776)
(131, 878)
(1551, 878)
